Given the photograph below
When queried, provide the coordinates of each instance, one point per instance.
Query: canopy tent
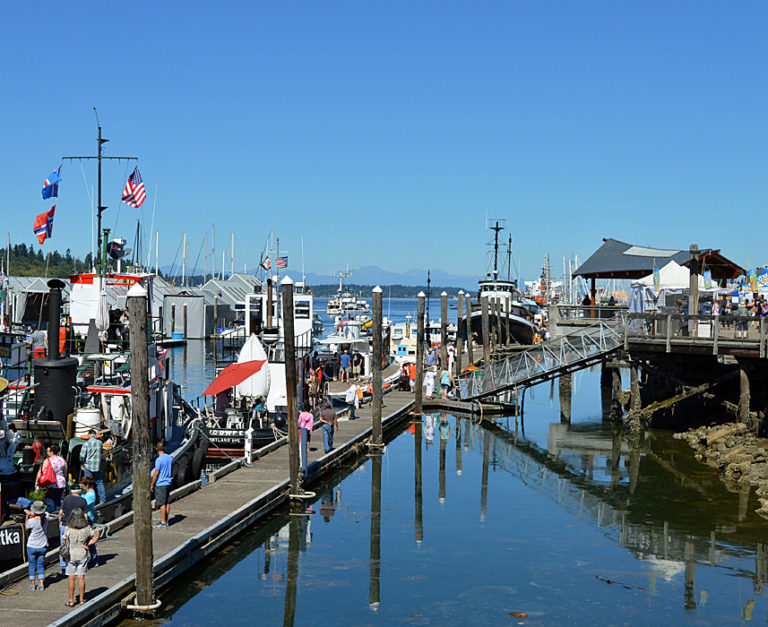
(671, 277)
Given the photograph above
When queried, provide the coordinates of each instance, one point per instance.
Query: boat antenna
(509, 258)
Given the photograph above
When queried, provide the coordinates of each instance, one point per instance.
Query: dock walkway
(201, 523)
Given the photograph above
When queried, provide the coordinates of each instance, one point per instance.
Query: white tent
(671, 277)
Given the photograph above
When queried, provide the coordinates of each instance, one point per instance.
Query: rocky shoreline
(734, 449)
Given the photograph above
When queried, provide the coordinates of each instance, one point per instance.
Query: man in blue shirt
(90, 458)
(345, 361)
(161, 483)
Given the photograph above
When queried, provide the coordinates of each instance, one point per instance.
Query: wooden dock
(201, 523)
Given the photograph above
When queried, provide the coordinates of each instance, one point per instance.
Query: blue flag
(51, 184)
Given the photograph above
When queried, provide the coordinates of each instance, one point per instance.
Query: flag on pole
(51, 184)
(281, 262)
(134, 194)
(266, 264)
(44, 225)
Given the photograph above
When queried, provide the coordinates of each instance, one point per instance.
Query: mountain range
(373, 275)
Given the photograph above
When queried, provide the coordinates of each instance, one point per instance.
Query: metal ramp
(580, 349)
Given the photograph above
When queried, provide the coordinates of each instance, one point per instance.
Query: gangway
(579, 349)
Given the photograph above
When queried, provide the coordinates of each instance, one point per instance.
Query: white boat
(346, 303)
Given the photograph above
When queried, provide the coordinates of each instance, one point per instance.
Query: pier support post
(617, 393)
(486, 331)
(744, 394)
(290, 383)
(374, 582)
(693, 295)
(635, 402)
(376, 436)
(142, 446)
(470, 343)
(458, 446)
(605, 390)
(508, 336)
(418, 387)
(444, 331)
(565, 389)
(292, 570)
(459, 337)
(269, 305)
(441, 490)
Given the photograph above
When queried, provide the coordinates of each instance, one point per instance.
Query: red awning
(234, 374)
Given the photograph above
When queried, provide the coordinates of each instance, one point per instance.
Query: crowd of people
(73, 505)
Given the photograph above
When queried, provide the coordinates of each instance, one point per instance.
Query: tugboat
(520, 318)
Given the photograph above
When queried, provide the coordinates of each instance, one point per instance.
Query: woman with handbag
(53, 476)
(78, 538)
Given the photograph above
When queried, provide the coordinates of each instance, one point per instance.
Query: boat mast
(101, 250)
(509, 258)
(496, 228)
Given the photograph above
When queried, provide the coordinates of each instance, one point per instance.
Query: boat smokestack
(54, 317)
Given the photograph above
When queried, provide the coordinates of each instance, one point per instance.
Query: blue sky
(384, 133)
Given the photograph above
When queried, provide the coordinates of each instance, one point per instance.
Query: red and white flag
(134, 193)
(281, 262)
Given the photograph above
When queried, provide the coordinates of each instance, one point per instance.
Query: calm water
(569, 524)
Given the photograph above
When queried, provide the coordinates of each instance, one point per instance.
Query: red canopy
(234, 374)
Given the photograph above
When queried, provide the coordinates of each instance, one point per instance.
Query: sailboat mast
(509, 258)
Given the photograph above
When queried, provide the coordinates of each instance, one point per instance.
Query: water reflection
(670, 537)
(374, 585)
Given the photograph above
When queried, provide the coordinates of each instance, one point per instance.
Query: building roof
(620, 260)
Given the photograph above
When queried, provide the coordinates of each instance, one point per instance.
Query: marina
(366, 314)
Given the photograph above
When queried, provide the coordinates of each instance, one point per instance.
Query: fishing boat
(505, 298)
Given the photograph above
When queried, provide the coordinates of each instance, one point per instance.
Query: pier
(201, 523)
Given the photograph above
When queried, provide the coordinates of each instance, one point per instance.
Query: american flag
(281, 262)
(134, 193)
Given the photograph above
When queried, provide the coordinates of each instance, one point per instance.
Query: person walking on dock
(330, 422)
(161, 483)
(306, 422)
(350, 398)
(37, 543)
(445, 383)
(412, 375)
(90, 457)
(69, 504)
(78, 539)
(345, 361)
(429, 383)
(89, 494)
(357, 365)
(59, 467)
(431, 359)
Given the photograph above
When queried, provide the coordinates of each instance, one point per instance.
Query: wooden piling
(374, 578)
(458, 446)
(565, 390)
(269, 304)
(292, 571)
(507, 335)
(617, 393)
(443, 331)
(468, 324)
(499, 331)
(376, 436)
(441, 489)
(459, 336)
(289, 339)
(635, 402)
(744, 394)
(419, 385)
(142, 447)
(693, 295)
(486, 332)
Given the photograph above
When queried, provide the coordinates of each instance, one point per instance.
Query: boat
(516, 315)
(345, 303)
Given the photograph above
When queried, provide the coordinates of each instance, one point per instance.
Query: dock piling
(486, 331)
(419, 384)
(565, 386)
(376, 436)
(744, 394)
(443, 330)
(468, 304)
(418, 498)
(374, 583)
(459, 337)
(289, 339)
(142, 448)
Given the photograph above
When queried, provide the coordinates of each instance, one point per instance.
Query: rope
(8, 591)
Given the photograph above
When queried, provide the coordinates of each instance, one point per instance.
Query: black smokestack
(54, 316)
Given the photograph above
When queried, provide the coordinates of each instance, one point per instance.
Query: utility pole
(142, 448)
